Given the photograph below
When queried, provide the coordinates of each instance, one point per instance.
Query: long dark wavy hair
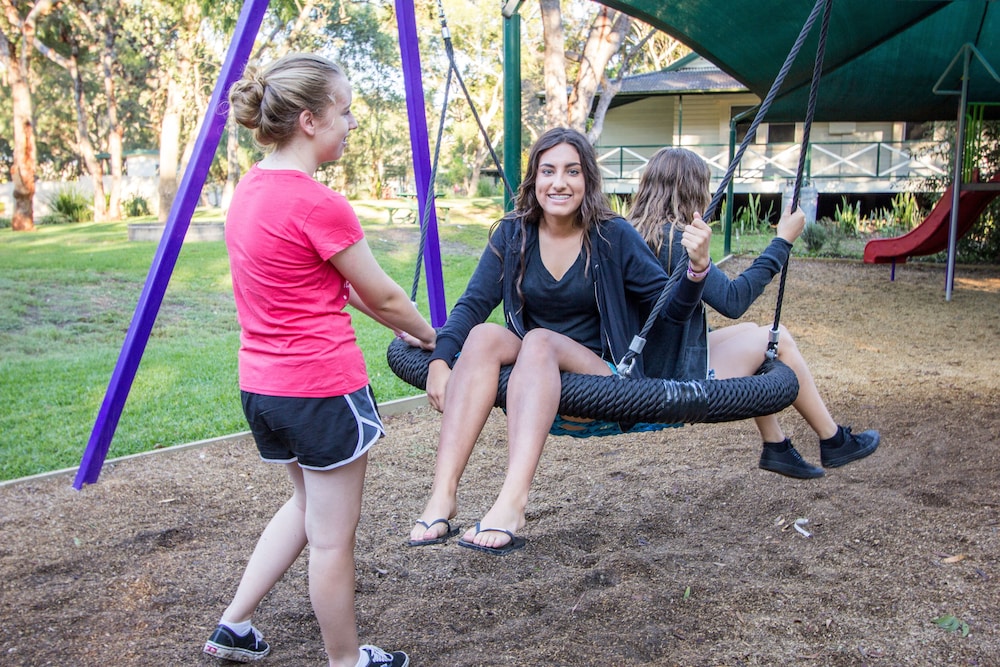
(528, 211)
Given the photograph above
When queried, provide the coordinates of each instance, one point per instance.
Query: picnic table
(406, 210)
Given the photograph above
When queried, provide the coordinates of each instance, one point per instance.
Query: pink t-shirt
(296, 338)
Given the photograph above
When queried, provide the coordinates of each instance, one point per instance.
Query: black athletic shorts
(318, 433)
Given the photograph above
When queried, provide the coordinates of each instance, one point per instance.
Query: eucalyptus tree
(290, 25)
(595, 59)
(77, 42)
(362, 37)
(17, 33)
(477, 43)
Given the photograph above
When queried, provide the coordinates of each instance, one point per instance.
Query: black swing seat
(630, 401)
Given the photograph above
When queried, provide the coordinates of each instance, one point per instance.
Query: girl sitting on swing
(672, 192)
(576, 282)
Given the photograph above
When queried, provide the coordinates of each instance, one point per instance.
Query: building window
(781, 133)
(916, 131)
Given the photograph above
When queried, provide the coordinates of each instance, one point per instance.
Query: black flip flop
(514, 544)
(451, 532)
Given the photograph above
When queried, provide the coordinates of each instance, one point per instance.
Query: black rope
(772, 343)
(450, 50)
(639, 341)
(429, 196)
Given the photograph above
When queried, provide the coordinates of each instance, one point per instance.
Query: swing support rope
(429, 199)
(772, 343)
(627, 363)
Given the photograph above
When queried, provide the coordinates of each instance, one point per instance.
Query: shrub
(56, 218)
(485, 187)
(72, 205)
(750, 219)
(136, 206)
(814, 236)
(848, 217)
(906, 211)
(619, 204)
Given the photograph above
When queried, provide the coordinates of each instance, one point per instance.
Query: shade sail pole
(169, 248)
(956, 183)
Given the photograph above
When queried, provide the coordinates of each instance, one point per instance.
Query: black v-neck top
(567, 305)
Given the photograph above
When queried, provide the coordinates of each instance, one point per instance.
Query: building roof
(667, 82)
(691, 75)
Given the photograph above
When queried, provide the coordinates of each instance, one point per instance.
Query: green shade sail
(884, 58)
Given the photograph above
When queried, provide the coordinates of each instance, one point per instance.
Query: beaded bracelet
(696, 275)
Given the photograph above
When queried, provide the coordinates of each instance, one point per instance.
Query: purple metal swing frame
(189, 191)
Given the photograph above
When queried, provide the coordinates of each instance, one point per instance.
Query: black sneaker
(226, 644)
(787, 461)
(379, 658)
(855, 447)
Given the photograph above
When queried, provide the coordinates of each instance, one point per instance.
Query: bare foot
(494, 521)
(434, 521)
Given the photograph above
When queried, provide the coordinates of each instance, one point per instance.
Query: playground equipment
(654, 402)
(931, 236)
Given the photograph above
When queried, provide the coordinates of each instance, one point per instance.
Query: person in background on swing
(298, 257)
(673, 190)
(576, 282)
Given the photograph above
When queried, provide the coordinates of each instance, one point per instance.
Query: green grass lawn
(67, 296)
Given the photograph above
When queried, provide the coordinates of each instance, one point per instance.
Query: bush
(814, 236)
(619, 204)
(750, 219)
(906, 210)
(848, 217)
(485, 187)
(136, 206)
(72, 205)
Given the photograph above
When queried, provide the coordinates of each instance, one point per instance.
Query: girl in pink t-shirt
(298, 257)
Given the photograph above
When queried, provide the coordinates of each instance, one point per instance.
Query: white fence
(879, 166)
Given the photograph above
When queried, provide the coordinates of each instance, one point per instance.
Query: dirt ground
(667, 548)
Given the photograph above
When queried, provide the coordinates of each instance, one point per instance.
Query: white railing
(842, 165)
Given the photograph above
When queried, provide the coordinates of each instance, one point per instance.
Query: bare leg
(741, 355)
(532, 402)
(279, 545)
(331, 519)
(471, 392)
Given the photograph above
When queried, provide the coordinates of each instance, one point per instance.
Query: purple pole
(420, 145)
(170, 245)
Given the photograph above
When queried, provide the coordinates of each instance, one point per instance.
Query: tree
(477, 46)
(571, 108)
(72, 34)
(613, 46)
(17, 34)
(108, 26)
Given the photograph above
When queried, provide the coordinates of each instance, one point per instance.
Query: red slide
(931, 235)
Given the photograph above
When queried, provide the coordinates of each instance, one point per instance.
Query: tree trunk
(610, 87)
(22, 172)
(170, 139)
(173, 114)
(18, 66)
(554, 64)
(86, 148)
(605, 38)
(115, 131)
(608, 92)
(232, 161)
